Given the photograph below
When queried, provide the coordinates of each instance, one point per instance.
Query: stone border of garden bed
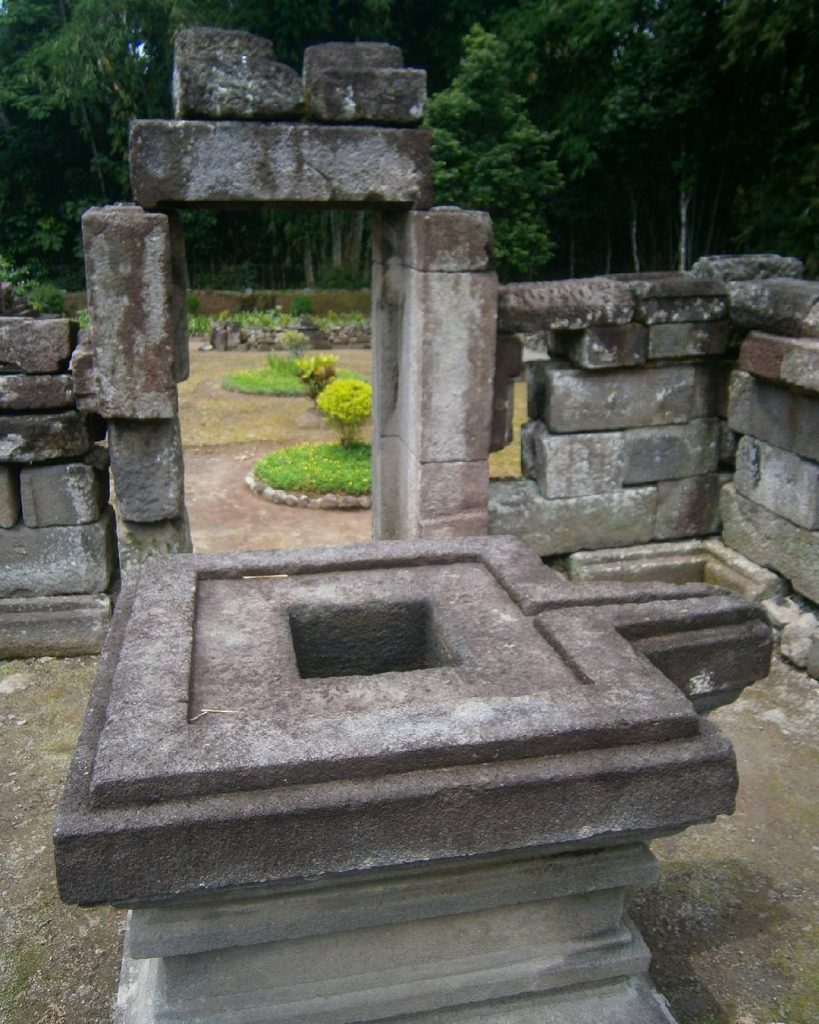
(295, 499)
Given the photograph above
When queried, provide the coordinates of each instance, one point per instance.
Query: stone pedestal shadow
(405, 781)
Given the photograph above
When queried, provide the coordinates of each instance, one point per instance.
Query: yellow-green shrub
(347, 404)
(316, 372)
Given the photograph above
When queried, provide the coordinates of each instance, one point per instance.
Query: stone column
(434, 317)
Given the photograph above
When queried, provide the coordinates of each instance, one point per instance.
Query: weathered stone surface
(683, 341)
(232, 76)
(57, 559)
(576, 401)
(672, 452)
(181, 162)
(444, 238)
(35, 345)
(19, 391)
(62, 495)
(779, 480)
(536, 371)
(797, 639)
(146, 462)
(508, 366)
(601, 347)
(179, 293)
(677, 298)
(564, 305)
(748, 267)
(727, 444)
(36, 437)
(556, 526)
(83, 373)
(688, 508)
(783, 418)
(779, 305)
(140, 541)
(9, 497)
(812, 664)
(772, 541)
(131, 308)
(571, 465)
(793, 361)
(62, 627)
(350, 57)
(373, 96)
(452, 500)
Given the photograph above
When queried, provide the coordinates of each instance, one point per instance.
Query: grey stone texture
(139, 541)
(37, 437)
(326, 57)
(445, 238)
(572, 465)
(670, 452)
(25, 392)
(812, 664)
(62, 495)
(772, 541)
(9, 497)
(797, 639)
(508, 367)
(564, 305)
(601, 347)
(232, 76)
(131, 298)
(687, 340)
(179, 293)
(57, 559)
(688, 507)
(786, 361)
(782, 417)
(83, 373)
(449, 728)
(677, 298)
(558, 526)
(183, 162)
(748, 267)
(575, 401)
(387, 96)
(781, 481)
(779, 305)
(35, 345)
(147, 467)
(62, 627)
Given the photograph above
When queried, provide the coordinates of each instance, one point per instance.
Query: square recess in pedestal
(301, 672)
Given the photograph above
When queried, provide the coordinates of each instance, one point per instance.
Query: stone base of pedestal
(511, 941)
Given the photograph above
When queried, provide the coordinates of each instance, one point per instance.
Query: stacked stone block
(56, 529)
(625, 440)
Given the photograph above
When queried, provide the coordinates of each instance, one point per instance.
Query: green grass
(318, 469)
(279, 377)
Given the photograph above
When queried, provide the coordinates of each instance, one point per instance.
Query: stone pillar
(434, 317)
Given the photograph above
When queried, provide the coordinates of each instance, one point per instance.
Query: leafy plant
(347, 404)
(318, 469)
(279, 377)
(302, 305)
(296, 343)
(316, 372)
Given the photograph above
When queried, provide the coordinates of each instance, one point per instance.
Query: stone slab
(572, 465)
(62, 495)
(147, 467)
(241, 823)
(57, 559)
(213, 163)
(748, 267)
(772, 541)
(35, 345)
(129, 278)
(386, 96)
(356, 56)
(787, 361)
(139, 541)
(445, 238)
(233, 76)
(556, 526)
(449, 492)
(781, 481)
(564, 305)
(687, 340)
(688, 507)
(26, 392)
(9, 497)
(37, 437)
(677, 298)
(83, 373)
(601, 347)
(778, 305)
(62, 627)
(575, 401)
(783, 418)
(670, 452)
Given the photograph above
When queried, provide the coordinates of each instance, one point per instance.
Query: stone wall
(57, 560)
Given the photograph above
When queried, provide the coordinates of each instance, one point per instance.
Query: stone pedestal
(407, 781)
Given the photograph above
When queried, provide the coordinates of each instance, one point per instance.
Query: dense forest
(602, 135)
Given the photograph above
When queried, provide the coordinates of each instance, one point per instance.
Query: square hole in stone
(367, 639)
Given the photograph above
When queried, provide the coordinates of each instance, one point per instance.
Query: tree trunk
(635, 252)
(571, 253)
(309, 274)
(685, 202)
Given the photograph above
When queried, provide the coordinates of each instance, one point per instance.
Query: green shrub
(318, 469)
(295, 342)
(302, 305)
(316, 372)
(279, 377)
(347, 404)
(192, 302)
(44, 297)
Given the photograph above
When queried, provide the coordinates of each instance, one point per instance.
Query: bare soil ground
(732, 921)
